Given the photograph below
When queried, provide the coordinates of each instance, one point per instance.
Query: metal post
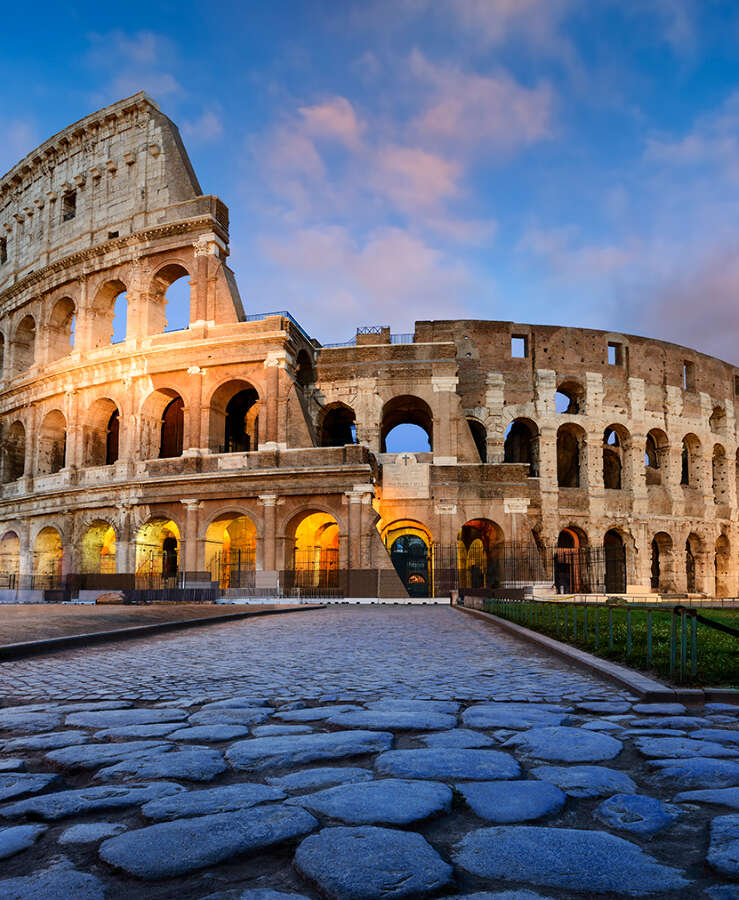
(585, 624)
(597, 627)
(610, 629)
(628, 632)
(673, 641)
(694, 646)
(565, 621)
(649, 637)
(574, 623)
(683, 645)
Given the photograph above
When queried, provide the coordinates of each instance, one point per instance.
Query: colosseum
(239, 456)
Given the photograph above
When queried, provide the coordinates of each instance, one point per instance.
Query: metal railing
(257, 317)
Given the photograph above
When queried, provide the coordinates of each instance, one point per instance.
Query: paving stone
(15, 784)
(723, 707)
(723, 850)
(16, 719)
(275, 730)
(586, 781)
(394, 719)
(636, 813)
(566, 744)
(19, 837)
(59, 881)
(501, 895)
(209, 733)
(504, 802)
(653, 732)
(115, 718)
(12, 765)
(603, 725)
(389, 801)
(369, 863)
(238, 701)
(723, 892)
(440, 763)
(511, 715)
(316, 713)
(660, 709)
(90, 832)
(189, 763)
(461, 738)
(441, 706)
(255, 894)
(62, 804)
(604, 706)
(320, 777)
(168, 849)
(719, 796)
(258, 754)
(52, 740)
(679, 722)
(567, 858)
(721, 735)
(89, 756)
(153, 729)
(230, 716)
(681, 748)
(701, 772)
(211, 801)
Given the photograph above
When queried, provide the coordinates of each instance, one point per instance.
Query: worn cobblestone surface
(305, 662)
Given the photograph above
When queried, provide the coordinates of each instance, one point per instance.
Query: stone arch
(109, 314)
(693, 562)
(690, 461)
(234, 418)
(14, 452)
(615, 446)
(410, 547)
(23, 348)
(720, 475)
(662, 568)
(522, 444)
(162, 424)
(163, 316)
(722, 567)
(337, 426)
(402, 411)
(614, 551)
(102, 433)
(656, 454)
(230, 550)
(98, 549)
(158, 548)
(479, 556)
(61, 328)
(312, 549)
(479, 436)
(572, 569)
(571, 470)
(48, 552)
(569, 397)
(52, 443)
(10, 559)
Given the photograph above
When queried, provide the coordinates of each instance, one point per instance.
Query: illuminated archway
(230, 550)
(158, 549)
(479, 554)
(10, 559)
(47, 558)
(97, 555)
(313, 550)
(410, 545)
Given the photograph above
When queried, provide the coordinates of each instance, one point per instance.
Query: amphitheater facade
(241, 452)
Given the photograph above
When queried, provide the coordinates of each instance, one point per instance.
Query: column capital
(444, 383)
(191, 504)
(270, 499)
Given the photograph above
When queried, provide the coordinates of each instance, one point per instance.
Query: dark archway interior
(480, 437)
(568, 459)
(338, 427)
(242, 423)
(615, 562)
(111, 439)
(406, 410)
(173, 426)
(522, 446)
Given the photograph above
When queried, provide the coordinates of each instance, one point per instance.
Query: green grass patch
(622, 634)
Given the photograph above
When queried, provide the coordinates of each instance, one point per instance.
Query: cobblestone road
(355, 754)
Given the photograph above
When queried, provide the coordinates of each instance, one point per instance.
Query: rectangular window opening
(3, 250)
(688, 376)
(519, 346)
(112, 234)
(736, 385)
(615, 354)
(69, 206)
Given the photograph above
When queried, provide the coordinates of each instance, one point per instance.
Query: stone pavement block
(211, 733)
(635, 813)
(90, 832)
(116, 718)
(701, 772)
(719, 796)
(16, 784)
(187, 763)
(59, 881)
(90, 756)
(18, 837)
(211, 801)
(504, 802)
(448, 764)
(258, 754)
(586, 781)
(62, 804)
(230, 716)
(320, 777)
(681, 748)
(511, 715)
(566, 744)
(723, 850)
(394, 720)
(52, 740)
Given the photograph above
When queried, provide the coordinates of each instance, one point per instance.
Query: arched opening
(522, 445)
(614, 448)
(162, 425)
(689, 461)
(234, 418)
(52, 443)
(10, 559)
(721, 562)
(230, 551)
(693, 546)
(479, 554)
(101, 433)
(97, 556)
(407, 426)
(569, 398)
(571, 562)
(172, 291)
(108, 323)
(158, 550)
(570, 463)
(173, 427)
(61, 329)
(338, 426)
(2, 356)
(662, 577)
(720, 475)
(614, 551)
(313, 550)
(480, 437)
(717, 420)
(304, 371)
(47, 559)
(24, 345)
(656, 449)
(409, 545)
(14, 453)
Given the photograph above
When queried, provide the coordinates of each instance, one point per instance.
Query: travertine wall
(131, 175)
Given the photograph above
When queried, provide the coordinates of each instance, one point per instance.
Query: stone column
(193, 561)
(445, 427)
(195, 412)
(269, 521)
(199, 284)
(494, 398)
(271, 402)
(125, 562)
(75, 449)
(354, 499)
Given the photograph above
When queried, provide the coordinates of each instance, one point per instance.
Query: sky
(387, 161)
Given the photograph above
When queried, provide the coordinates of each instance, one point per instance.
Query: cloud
(570, 258)
(206, 128)
(137, 61)
(335, 119)
(20, 136)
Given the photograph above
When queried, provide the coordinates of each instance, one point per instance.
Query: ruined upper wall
(117, 171)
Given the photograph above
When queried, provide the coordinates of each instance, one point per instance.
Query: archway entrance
(313, 551)
(480, 561)
(662, 564)
(721, 560)
(47, 559)
(614, 551)
(692, 553)
(98, 550)
(409, 546)
(571, 569)
(157, 550)
(10, 559)
(230, 551)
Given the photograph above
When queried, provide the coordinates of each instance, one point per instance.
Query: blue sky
(545, 161)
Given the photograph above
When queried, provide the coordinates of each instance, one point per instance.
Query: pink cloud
(335, 119)
(207, 127)
(571, 258)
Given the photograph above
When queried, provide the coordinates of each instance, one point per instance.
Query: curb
(55, 645)
(644, 687)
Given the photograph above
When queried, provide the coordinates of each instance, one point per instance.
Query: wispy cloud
(20, 136)
(205, 128)
(131, 62)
